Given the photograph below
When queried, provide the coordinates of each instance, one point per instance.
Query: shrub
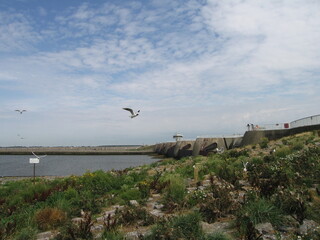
(144, 189)
(283, 152)
(219, 200)
(217, 236)
(225, 168)
(255, 212)
(296, 146)
(99, 182)
(27, 233)
(72, 231)
(313, 210)
(89, 202)
(175, 191)
(263, 142)
(112, 235)
(131, 194)
(49, 218)
(181, 227)
(293, 202)
(131, 214)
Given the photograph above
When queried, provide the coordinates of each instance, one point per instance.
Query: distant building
(178, 136)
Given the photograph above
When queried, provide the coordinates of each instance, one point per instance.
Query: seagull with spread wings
(21, 111)
(38, 156)
(133, 114)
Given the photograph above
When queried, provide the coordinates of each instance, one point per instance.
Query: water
(65, 165)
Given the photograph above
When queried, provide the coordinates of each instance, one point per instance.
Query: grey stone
(158, 206)
(134, 203)
(97, 228)
(157, 213)
(46, 235)
(307, 226)
(156, 195)
(223, 227)
(132, 235)
(110, 212)
(77, 220)
(267, 231)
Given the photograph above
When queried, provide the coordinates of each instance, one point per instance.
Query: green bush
(294, 202)
(27, 233)
(112, 235)
(283, 152)
(132, 214)
(263, 142)
(99, 182)
(217, 236)
(131, 194)
(181, 227)
(255, 212)
(175, 191)
(296, 146)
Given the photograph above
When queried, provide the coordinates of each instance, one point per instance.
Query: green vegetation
(281, 182)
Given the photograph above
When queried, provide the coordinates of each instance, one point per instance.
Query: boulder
(266, 230)
(46, 235)
(134, 203)
(308, 226)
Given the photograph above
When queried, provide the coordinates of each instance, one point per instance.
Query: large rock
(46, 235)
(222, 227)
(308, 226)
(157, 213)
(134, 203)
(267, 231)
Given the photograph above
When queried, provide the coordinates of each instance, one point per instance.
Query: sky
(196, 67)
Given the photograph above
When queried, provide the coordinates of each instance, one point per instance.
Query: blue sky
(198, 67)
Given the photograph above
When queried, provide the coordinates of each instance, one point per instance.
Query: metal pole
(34, 173)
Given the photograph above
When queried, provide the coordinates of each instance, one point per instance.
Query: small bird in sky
(20, 111)
(133, 114)
(38, 156)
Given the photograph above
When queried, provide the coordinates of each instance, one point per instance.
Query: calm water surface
(65, 165)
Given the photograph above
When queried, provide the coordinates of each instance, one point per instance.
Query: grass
(281, 183)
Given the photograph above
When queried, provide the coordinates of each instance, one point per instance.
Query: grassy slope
(280, 181)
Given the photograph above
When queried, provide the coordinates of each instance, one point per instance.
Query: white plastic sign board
(34, 160)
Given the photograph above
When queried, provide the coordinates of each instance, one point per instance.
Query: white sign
(34, 160)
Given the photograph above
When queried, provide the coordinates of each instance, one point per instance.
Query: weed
(293, 202)
(217, 236)
(112, 235)
(263, 142)
(131, 214)
(255, 212)
(27, 233)
(49, 218)
(219, 200)
(181, 227)
(175, 191)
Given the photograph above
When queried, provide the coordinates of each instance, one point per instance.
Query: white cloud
(202, 68)
(16, 32)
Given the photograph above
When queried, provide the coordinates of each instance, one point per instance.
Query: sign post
(34, 161)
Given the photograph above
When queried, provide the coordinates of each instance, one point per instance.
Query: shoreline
(105, 150)
(78, 152)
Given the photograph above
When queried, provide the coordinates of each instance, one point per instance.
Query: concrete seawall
(254, 137)
(204, 146)
(183, 149)
(200, 146)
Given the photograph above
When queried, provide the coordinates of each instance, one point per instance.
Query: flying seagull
(20, 111)
(38, 156)
(133, 114)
